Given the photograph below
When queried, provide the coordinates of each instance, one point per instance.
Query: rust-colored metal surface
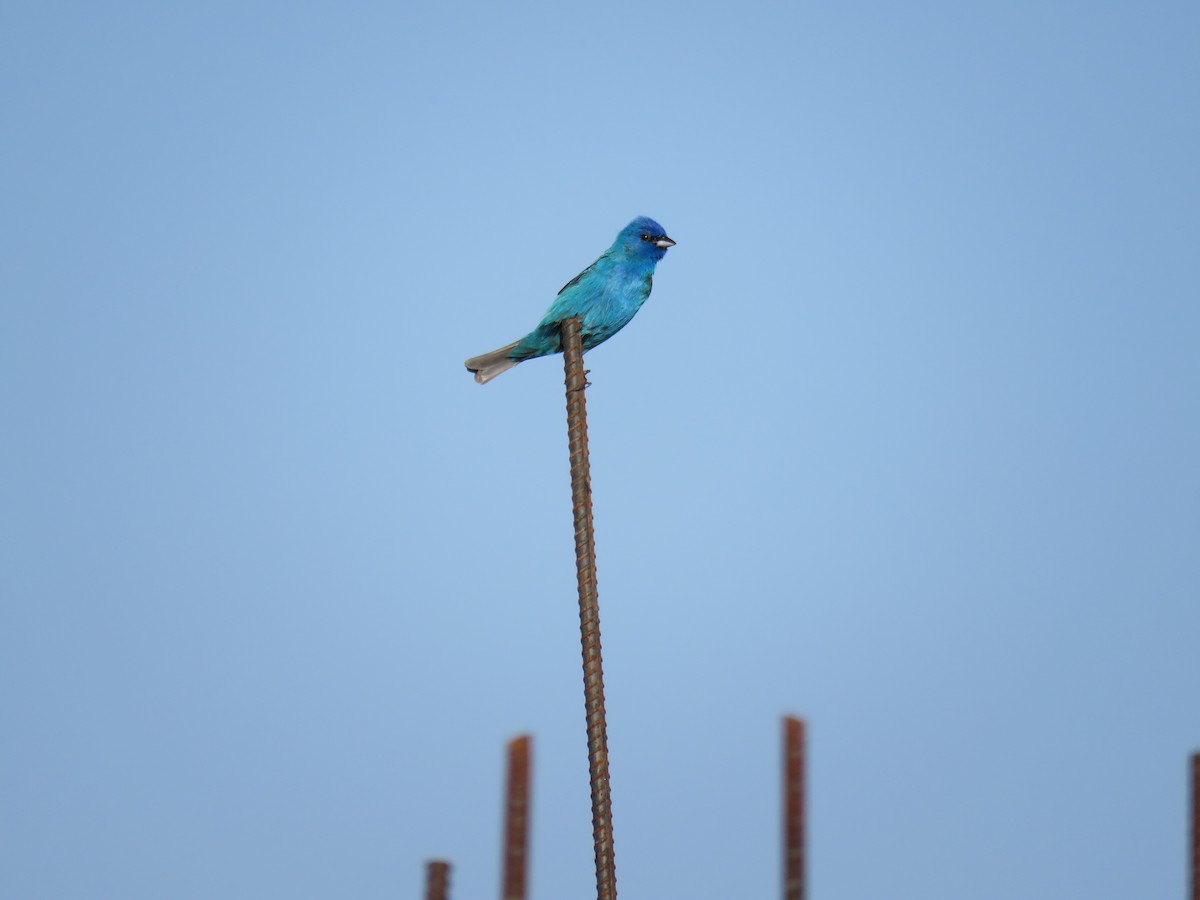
(589, 611)
(437, 880)
(516, 820)
(794, 875)
(1195, 836)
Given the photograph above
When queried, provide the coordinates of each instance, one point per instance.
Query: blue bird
(605, 296)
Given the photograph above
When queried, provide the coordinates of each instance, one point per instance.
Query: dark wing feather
(574, 281)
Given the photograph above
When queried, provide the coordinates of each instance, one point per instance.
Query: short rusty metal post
(516, 820)
(589, 611)
(1195, 841)
(437, 880)
(794, 875)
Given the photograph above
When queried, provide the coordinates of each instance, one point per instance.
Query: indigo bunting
(605, 296)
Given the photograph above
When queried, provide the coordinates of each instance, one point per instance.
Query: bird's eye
(645, 237)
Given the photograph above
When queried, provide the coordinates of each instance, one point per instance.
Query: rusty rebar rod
(516, 820)
(589, 611)
(794, 875)
(437, 880)
(1195, 836)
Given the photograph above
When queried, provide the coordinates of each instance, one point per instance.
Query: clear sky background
(906, 441)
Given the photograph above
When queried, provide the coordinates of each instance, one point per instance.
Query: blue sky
(904, 442)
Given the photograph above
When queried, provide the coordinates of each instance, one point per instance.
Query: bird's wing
(574, 281)
(577, 295)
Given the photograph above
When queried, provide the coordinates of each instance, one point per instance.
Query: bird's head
(644, 238)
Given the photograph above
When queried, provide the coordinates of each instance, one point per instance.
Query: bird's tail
(488, 365)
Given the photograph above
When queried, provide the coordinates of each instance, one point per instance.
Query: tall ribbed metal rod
(1195, 842)
(794, 875)
(589, 612)
(516, 820)
(437, 880)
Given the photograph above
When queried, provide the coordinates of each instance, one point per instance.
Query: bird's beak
(664, 242)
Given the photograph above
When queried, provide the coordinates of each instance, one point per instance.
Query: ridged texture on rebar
(437, 880)
(793, 809)
(516, 820)
(1195, 842)
(589, 612)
